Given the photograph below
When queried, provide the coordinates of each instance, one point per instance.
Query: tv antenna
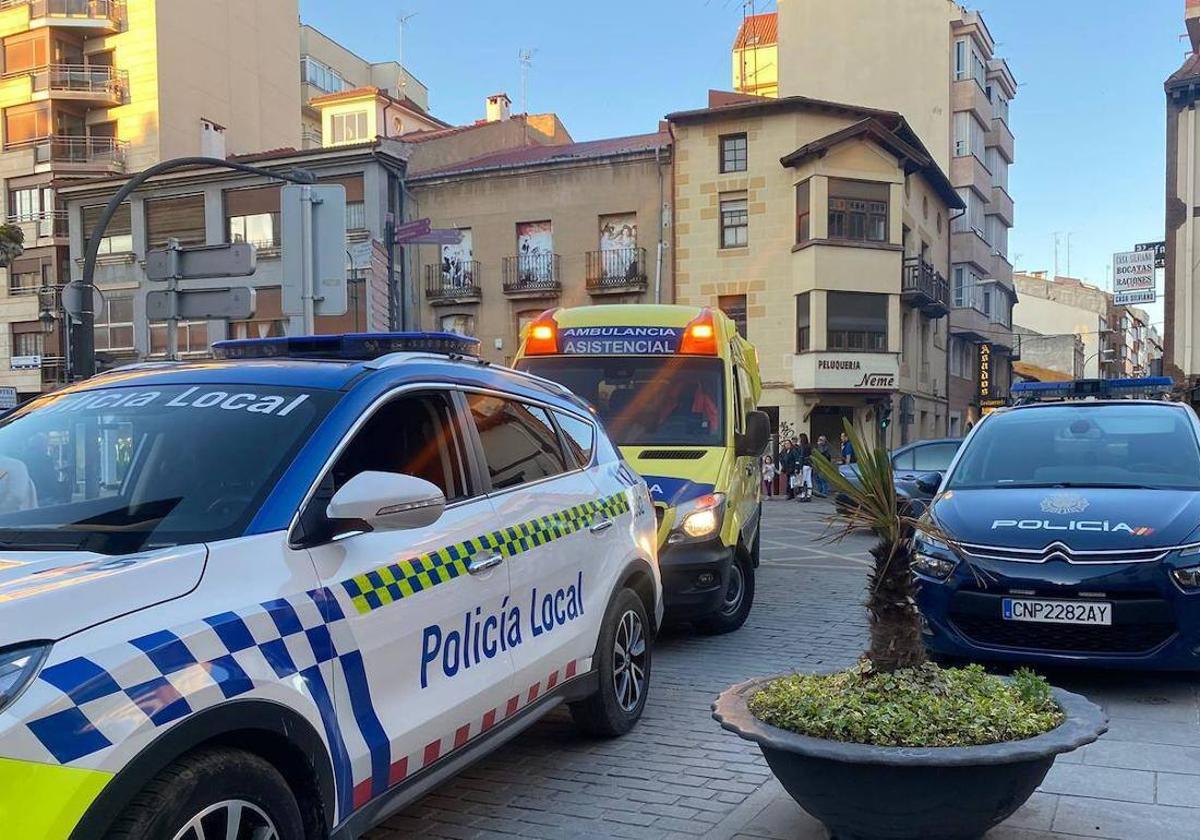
(402, 23)
(525, 59)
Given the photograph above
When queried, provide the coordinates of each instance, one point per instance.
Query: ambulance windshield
(646, 400)
(120, 470)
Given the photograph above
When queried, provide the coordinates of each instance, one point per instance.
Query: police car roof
(1090, 403)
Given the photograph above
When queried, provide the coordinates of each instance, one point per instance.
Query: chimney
(212, 139)
(498, 105)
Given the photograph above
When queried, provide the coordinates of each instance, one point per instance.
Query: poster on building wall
(535, 252)
(985, 372)
(457, 269)
(618, 245)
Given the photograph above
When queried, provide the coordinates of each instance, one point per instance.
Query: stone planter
(864, 792)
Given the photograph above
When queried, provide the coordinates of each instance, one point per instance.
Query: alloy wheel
(629, 661)
(233, 819)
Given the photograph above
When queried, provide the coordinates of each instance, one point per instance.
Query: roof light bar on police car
(1078, 389)
(348, 347)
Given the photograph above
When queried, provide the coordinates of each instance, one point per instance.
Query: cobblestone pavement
(678, 775)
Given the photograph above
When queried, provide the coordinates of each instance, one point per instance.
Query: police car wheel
(736, 601)
(213, 793)
(623, 666)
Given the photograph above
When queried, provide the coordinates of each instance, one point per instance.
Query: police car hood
(50, 595)
(1084, 519)
(676, 474)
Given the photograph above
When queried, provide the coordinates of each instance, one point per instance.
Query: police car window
(935, 457)
(118, 470)
(519, 441)
(580, 437)
(1133, 446)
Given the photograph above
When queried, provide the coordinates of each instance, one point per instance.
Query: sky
(1089, 117)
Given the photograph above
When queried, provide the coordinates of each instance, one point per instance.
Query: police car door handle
(477, 566)
(602, 525)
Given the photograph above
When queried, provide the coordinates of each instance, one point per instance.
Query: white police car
(283, 593)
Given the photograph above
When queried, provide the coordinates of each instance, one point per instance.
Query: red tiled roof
(1189, 71)
(564, 153)
(758, 31)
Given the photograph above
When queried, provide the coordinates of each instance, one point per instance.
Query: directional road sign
(194, 262)
(199, 304)
(413, 228)
(437, 236)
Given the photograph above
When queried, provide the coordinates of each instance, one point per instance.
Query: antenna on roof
(525, 59)
(402, 83)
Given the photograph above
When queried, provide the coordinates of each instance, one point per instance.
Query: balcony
(616, 272)
(1001, 205)
(967, 95)
(532, 276)
(922, 286)
(90, 17)
(970, 171)
(51, 224)
(969, 246)
(95, 84)
(453, 285)
(75, 154)
(1001, 137)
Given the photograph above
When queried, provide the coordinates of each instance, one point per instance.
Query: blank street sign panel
(236, 259)
(235, 304)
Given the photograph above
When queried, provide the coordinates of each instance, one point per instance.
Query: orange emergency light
(543, 335)
(700, 336)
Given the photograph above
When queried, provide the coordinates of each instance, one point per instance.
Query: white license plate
(1058, 612)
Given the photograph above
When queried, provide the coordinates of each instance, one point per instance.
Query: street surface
(678, 775)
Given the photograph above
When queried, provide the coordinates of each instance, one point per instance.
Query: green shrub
(926, 706)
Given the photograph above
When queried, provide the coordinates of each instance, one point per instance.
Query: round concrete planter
(864, 792)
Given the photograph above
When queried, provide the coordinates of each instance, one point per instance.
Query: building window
(23, 282)
(28, 343)
(971, 221)
(114, 323)
(858, 210)
(733, 153)
(178, 217)
(25, 123)
(968, 63)
(803, 323)
(260, 229)
(321, 76)
(735, 307)
(26, 51)
(803, 212)
(118, 236)
(459, 324)
(356, 215)
(192, 337)
(856, 321)
(999, 102)
(252, 215)
(735, 220)
(349, 128)
(969, 136)
(30, 204)
(269, 320)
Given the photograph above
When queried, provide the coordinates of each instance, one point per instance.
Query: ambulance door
(425, 667)
(747, 475)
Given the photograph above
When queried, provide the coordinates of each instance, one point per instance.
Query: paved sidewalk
(678, 775)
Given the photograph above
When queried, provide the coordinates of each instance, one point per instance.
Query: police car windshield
(1082, 445)
(119, 470)
(646, 400)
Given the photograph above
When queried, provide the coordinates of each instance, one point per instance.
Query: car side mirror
(929, 482)
(754, 440)
(387, 501)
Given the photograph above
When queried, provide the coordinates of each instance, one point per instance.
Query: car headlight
(699, 518)
(18, 666)
(933, 558)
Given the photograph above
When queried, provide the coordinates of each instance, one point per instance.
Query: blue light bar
(1079, 388)
(360, 347)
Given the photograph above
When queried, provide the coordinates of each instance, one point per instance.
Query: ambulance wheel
(213, 793)
(737, 601)
(623, 665)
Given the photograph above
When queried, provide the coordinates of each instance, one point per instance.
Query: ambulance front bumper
(45, 801)
(694, 578)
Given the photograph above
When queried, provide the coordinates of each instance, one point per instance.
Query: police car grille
(1060, 551)
(1064, 638)
(671, 454)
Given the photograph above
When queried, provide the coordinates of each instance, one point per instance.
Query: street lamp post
(84, 339)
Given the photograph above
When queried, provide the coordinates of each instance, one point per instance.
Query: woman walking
(804, 460)
(768, 476)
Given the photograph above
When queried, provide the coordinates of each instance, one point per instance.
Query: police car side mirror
(754, 440)
(387, 501)
(929, 482)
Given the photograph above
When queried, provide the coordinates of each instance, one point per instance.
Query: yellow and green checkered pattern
(406, 578)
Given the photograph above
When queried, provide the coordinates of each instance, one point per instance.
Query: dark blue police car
(1073, 537)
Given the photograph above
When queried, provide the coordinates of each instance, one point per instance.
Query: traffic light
(885, 416)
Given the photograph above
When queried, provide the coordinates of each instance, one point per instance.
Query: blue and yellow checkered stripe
(406, 578)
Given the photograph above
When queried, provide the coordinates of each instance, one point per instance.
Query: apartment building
(935, 62)
(1053, 307)
(756, 56)
(824, 229)
(326, 67)
(96, 88)
(1048, 358)
(1181, 330)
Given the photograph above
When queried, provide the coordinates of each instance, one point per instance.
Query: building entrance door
(827, 420)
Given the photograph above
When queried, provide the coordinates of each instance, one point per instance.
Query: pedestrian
(768, 476)
(804, 458)
(848, 456)
(790, 467)
(826, 451)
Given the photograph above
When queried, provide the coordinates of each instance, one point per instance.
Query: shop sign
(846, 372)
(985, 372)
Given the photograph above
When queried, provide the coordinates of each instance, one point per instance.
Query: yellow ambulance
(677, 388)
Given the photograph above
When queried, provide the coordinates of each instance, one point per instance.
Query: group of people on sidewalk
(796, 468)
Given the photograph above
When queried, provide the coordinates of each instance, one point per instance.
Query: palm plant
(894, 622)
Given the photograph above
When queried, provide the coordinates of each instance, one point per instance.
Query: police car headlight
(933, 558)
(18, 666)
(700, 518)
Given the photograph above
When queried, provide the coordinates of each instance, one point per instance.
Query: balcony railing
(532, 275)
(615, 271)
(100, 152)
(925, 287)
(104, 82)
(43, 225)
(457, 283)
(109, 11)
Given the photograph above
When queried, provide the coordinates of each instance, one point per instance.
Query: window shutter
(179, 217)
(251, 202)
(352, 183)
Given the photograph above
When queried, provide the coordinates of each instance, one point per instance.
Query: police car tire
(601, 714)
(201, 779)
(720, 622)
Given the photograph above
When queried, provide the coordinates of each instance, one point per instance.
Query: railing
(452, 282)
(532, 273)
(110, 10)
(80, 78)
(54, 369)
(868, 341)
(617, 269)
(920, 278)
(77, 149)
(46, 224)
